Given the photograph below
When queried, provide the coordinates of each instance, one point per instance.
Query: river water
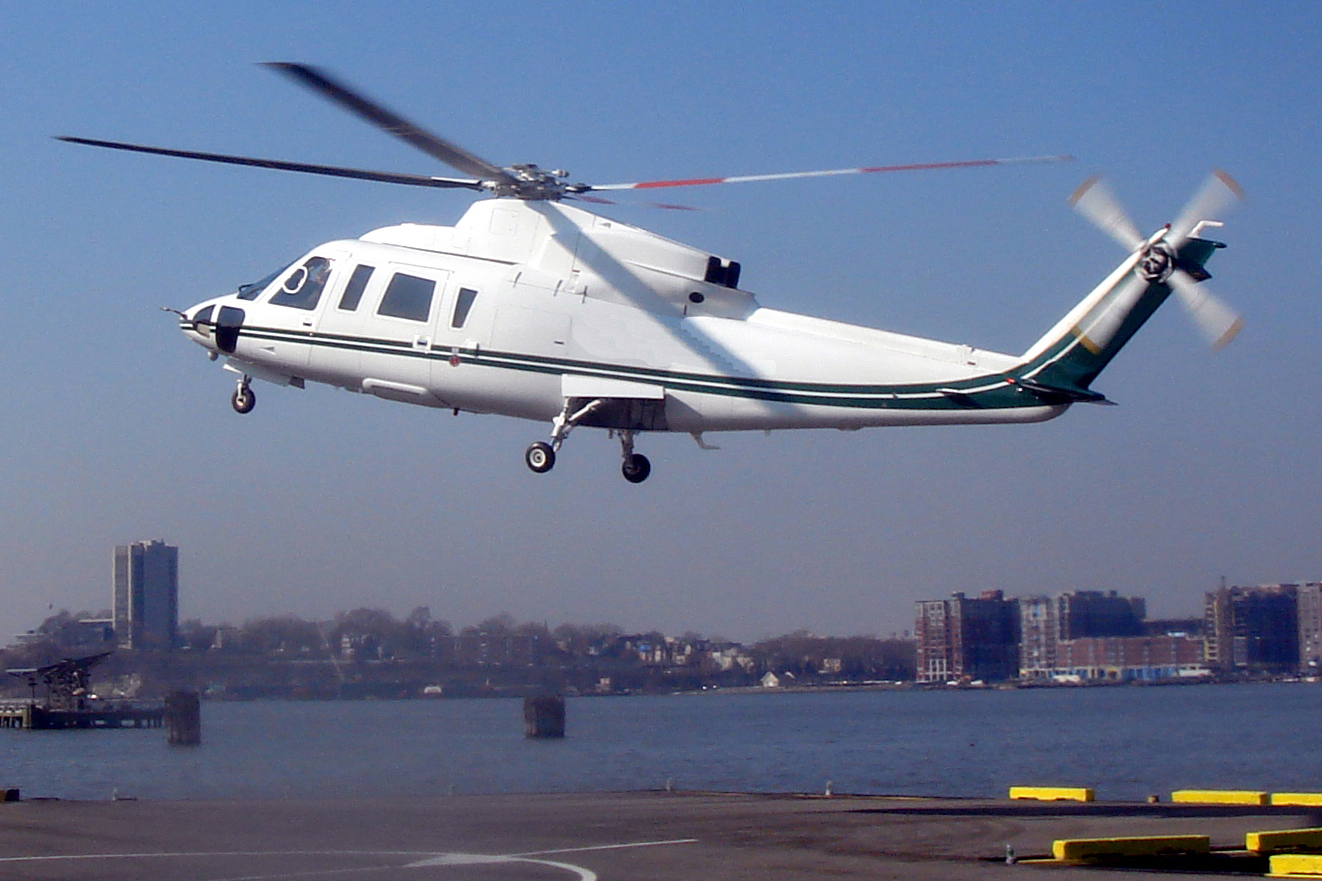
(1127, 742)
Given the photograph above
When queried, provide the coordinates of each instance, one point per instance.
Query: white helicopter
(533, 308)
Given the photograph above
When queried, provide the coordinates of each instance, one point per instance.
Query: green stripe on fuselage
(987, 391)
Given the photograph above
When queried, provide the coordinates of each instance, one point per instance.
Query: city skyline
(151, 567)
(320, 500)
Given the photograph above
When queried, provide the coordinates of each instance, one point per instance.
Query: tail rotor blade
(1214, 319)
(1095, 201)
(1219, 193)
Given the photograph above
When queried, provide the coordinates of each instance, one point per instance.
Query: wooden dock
(34, 717)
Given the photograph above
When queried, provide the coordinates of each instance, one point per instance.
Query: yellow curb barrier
(1052, 793)
(1303, 799)
(1284, 841)
(1078, 849)
(1219, 797)
(1296, 865)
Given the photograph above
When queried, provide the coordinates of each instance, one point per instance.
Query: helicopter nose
(213, 325)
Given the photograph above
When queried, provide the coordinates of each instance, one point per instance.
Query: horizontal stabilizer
(1054, 394)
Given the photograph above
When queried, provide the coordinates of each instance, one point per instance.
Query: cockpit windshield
(254, 290)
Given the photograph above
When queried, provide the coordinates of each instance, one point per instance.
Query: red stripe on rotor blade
(679, 183)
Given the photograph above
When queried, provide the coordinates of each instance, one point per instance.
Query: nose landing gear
(244, 398)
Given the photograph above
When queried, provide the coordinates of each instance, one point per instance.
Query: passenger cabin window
(409, 297)
(462, 304)
(353, 291)
(302, 288)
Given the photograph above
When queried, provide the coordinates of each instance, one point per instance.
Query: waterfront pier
(69, 702)
(34, 717)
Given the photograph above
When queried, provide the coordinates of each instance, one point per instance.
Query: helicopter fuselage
(539, 310)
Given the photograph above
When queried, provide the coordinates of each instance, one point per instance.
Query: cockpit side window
(408, 297)
(302, 288)
(353, 291)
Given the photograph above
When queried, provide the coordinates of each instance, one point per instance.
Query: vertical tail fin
(1070, 356)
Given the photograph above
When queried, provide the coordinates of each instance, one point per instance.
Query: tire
(636, 468)
(243, 400)
(539, 457)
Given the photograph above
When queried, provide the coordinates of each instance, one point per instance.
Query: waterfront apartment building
(1309, 604)
(964, 639)
(1259, 628)
(1129, 658)
(1049, 626)
(146, 596)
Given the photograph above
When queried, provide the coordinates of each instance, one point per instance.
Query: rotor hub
(1157, 262)
(529, 181)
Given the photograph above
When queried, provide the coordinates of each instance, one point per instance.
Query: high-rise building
(146, 593)
(1310, 628)
(1046, 624)
(963, 638)
(1253, 628)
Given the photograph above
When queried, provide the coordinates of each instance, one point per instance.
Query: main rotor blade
(1218, 193)
(433, 145)
(1217, 321)
(389, 177)
(749, 178)
(1095, 201)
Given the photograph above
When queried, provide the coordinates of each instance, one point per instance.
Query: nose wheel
(540, 457)
(244, 398)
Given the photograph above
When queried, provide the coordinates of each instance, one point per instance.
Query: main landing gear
(540, 456)
(244, 398)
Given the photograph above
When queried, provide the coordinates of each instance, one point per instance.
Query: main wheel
(636, 468)
(243, 399)
(540, 457)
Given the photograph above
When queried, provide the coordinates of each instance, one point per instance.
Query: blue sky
(118, 429)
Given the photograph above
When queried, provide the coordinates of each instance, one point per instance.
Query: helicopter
(536, 308)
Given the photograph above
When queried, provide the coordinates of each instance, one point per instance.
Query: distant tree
(424, 636)
(196, 636)
(860, 657)
(281, 634)
(579, 640)
(503, 624)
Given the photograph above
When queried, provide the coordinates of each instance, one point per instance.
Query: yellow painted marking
(1284, 841)
(1052, 793)
(1219, 797)
(1087, 343)
(1305, 799)
(1075, 849)
(1296, 865)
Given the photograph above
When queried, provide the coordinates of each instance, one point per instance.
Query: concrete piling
(183, 718)
(544, 717)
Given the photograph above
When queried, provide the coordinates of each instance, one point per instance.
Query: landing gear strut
(244, 398)
(540, 456)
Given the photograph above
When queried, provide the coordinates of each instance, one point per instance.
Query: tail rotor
(1157, 256)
